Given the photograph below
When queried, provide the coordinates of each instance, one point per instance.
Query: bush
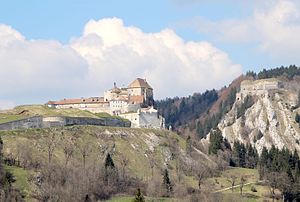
(253, 189)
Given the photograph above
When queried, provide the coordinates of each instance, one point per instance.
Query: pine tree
(263, 162)
(216, 140)
(297, 118)
(297, 172)
(109, 163)
(139, 196)
(167, 183)
(252, 157)
(110, 171)
(239, 154)
(188, 145)
(2, 172)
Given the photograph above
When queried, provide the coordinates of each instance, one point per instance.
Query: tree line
(287, 72)
(181, 111)
(279, 168)
(7, 191)
(203, 127)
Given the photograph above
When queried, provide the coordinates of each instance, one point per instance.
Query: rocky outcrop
(269, 121)
(58, 121)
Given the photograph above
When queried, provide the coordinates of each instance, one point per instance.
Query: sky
(54, 49)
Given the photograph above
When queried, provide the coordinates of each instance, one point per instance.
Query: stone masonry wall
(47, 122)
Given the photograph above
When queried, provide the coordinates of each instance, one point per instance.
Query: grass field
(249, 195)
(25, 111)
(147, 199)
(21, 177)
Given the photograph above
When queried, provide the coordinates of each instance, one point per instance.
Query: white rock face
(270, 120)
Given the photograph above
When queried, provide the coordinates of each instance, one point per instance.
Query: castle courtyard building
(134, 103)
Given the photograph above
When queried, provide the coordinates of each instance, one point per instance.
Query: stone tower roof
(115, 89)
(139, 83)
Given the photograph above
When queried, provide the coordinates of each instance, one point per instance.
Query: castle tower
(140, 88)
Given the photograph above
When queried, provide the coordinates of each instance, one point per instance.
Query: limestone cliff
(270, 118)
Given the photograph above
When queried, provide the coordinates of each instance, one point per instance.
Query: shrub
(253, 189)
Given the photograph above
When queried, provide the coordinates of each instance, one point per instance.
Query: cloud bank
(273, 26)
(108, 51)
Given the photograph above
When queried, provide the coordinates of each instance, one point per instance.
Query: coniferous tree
(262, 169)
(284, 166)
(139, 196)
(2, 172)
(215, 140)
(297, 118)
(188, 145)
(167, 183)
(110, 171)
(251, 157)
(298, 104)
(239, 154)
(109, 163)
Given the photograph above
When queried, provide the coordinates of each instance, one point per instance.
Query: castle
(258, 87)
(134, 103)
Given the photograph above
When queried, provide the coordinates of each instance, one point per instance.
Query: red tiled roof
(139, 83)
(77, 101)
(136, 99)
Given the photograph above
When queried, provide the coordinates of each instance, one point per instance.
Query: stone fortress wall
(59, 121)
(145, 119)
(258, 87)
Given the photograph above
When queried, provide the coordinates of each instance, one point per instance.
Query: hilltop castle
(134, 103)
(258, 87)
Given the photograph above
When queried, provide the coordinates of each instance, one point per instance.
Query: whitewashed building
(134, 103)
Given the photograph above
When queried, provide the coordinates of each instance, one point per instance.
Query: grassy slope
(251, 176)
(147, 199)
(135, 144)
(21, 177)
(24, 111)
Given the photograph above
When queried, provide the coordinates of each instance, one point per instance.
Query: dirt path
(228, 188)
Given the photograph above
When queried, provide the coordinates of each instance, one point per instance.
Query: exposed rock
(268, 121)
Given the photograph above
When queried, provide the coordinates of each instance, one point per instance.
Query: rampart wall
(58, 121)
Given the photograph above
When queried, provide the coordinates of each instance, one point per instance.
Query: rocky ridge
(270, 120)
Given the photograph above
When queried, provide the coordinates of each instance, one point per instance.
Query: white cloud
(273, 25)
(36, 70)
(40, 70)
(6, 104)
(172, 66)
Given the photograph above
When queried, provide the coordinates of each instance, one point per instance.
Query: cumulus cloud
(273, 26)
(34, 71)
(6, 104)
(116, 52)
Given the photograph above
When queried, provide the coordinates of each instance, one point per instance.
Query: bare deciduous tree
(243, 180)
(232, 180)
(51, 141)
(124, 162)
(201, 172)
(68, 150)
(85, 149)
(151, 164)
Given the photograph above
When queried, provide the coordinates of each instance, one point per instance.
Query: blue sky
(56, 49)
(62, 20)
(54, 19)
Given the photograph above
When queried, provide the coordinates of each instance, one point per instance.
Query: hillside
(265, 119)
(146, 152)
(25, 111)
